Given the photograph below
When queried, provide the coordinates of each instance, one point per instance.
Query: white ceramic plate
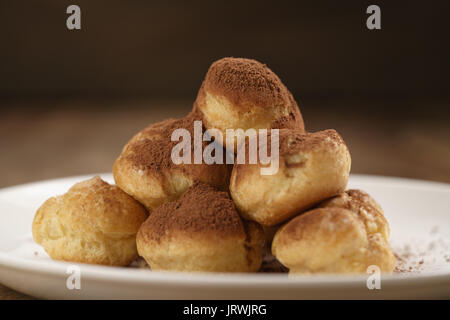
(418, 211)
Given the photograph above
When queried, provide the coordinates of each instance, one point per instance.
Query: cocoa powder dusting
(292, 121)
(152, 150)
(201, 209)
(246, 81)
(292, 142)
(427, 254)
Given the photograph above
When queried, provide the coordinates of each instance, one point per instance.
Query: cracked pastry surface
(94, 222)
(312, 167)
(345, 234)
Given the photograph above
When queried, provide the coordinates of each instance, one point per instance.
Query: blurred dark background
(162, 49)
(71, 99)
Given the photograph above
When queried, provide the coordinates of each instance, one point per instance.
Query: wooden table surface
(48, 139)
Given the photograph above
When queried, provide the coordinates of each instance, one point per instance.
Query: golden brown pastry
(365, 206)
(346, 234)
(351, 198)
(312, 167)
(240, 93)
(201, 231)
(93, 222)
(145, 169)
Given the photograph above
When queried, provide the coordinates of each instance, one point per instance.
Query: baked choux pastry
(240, 93)
(365, 206)
(146, 171)
(346, 234)
(311, 167)
(201, 231)
(349, 197)
(93, 222)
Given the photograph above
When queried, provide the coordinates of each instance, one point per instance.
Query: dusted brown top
(255, 95)
(359, 195)
(202, 209)
(246, 80)
(151, 148)
(294, 141)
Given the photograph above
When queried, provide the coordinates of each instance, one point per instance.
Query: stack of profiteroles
(230, 215)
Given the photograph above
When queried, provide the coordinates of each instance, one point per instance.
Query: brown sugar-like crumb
(201, 209)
